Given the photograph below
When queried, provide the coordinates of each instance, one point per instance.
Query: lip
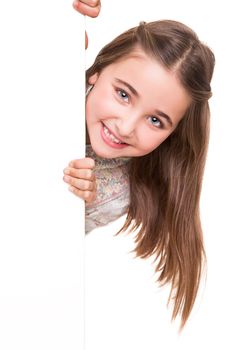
(108, 141)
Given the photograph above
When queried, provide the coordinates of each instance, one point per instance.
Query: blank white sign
(41, 130)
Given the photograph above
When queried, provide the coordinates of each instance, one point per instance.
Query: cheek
(100, 107)
(151, 140)
(93, 108)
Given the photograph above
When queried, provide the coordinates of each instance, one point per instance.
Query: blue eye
(156, 122)
(123, 95)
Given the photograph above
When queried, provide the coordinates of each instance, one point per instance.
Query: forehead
(141, 68)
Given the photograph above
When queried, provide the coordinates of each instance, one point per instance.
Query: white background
(41, 223)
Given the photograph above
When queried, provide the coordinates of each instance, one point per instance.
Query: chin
(103, 153)
(100, 152)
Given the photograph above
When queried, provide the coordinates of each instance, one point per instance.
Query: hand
(89, 8)
(80, 176)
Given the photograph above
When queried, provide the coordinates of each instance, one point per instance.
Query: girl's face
(135, 104)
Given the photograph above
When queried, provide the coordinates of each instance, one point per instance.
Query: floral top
(112, 198)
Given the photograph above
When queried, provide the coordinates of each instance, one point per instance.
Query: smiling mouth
(112, 137)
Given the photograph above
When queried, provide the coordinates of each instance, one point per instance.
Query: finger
(92, 3)
(86, 40)
(84, 163)
(88, 10)
(88, 196)
(81, 184)
(85, 174)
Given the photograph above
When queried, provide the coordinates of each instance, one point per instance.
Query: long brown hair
(165, 185)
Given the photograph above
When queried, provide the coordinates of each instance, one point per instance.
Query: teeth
(110, 136)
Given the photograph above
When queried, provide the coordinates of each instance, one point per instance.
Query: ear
(93, 79)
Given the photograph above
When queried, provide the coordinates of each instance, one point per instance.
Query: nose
(126, 126)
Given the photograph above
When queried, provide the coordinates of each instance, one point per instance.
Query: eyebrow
(134, 92)
(130, 87)
(165, 116)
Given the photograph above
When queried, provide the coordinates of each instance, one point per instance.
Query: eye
(156, 122)
(123, 95)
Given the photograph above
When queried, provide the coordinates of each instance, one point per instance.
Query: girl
(147, 118)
